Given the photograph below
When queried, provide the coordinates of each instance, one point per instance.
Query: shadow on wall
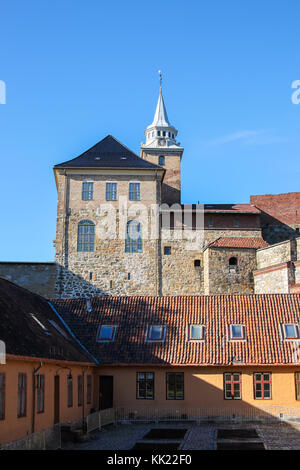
(275, 231)
(70, 285)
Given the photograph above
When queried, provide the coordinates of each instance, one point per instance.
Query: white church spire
(160, 133)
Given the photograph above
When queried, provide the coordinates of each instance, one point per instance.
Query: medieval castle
(189, 250)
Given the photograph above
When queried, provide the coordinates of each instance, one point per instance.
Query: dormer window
(106, 333)
(156, 333)
(237, 332)
(290, 331)
(196, 332)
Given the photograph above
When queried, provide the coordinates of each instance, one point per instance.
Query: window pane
(290, 331)
(266, 376)
(156, 332)
(106, 332)
(236, 377)
(236, 331)
(196, 332)
(298, 391)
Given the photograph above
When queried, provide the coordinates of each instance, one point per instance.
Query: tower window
(111, 191)
(133, 242)
(110, 284)
(87, 191)
(134, 191)
(128, 276)
(169, 134)
(233, 261)
(172, 136)
(86, 236)
(167, 250)
(164, 133)
(161, 160)
(197, 263)
(158, 133)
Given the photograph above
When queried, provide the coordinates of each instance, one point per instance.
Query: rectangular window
(297, 384)
(80, 390)
(88, 389)
(134, 191)
(232, 386)
(237, 332)
(145, 386)
(22, 394)
(40, 392)
(70, 390)
(2, 396)
(87, 191)
(196, 332)
(167, 250)
(175, 386)
(210, 222)
(291, 331)
(236, 222)
(106, 333)
(262, 386)
(156, 333)
(111, 191)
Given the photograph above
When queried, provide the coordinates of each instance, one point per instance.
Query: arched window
(161, 160)
(86, 236)
(133, 242)
(233, 261)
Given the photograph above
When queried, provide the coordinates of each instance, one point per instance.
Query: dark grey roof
(109, 153)
(29, 326)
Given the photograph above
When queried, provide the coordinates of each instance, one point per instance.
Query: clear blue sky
(78, 70)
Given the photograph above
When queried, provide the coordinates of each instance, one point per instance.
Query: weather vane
(160, 77)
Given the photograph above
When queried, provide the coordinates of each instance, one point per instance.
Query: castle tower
(161, 148)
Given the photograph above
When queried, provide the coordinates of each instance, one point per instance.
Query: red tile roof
(262, 316)
(231, 208)
(238, 242)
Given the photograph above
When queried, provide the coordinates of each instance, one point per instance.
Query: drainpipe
(34, 374)
(83, 399)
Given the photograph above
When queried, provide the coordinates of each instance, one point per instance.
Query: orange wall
(12, 427)
(203, 386)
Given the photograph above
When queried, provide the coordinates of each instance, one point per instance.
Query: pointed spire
(160, 116)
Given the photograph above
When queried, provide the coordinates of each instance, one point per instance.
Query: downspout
(34, 374)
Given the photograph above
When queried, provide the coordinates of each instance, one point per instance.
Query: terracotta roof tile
(238, 242)
(262, 316)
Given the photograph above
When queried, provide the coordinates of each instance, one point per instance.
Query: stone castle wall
(39, 278)
(221, 278)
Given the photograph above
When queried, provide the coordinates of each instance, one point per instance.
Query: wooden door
(106, 391)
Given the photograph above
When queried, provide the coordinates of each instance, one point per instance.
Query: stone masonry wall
(39, 278)
(275, 254)
(272, 282)
(220, 278)
(107, 270)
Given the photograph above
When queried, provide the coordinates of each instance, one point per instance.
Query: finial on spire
(160, 78)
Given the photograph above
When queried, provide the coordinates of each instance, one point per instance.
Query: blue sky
(76, 71)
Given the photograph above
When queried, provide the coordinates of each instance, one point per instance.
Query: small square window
(156, 333)
(197, 263)
(167, 250)
(237, 332)
(291, 331)
(196, 332)
(106, 333)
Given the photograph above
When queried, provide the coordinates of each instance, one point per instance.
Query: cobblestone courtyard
(275, 436)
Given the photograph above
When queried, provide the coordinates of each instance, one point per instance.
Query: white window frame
(195, 340)
(296, 326)
(230, 335)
